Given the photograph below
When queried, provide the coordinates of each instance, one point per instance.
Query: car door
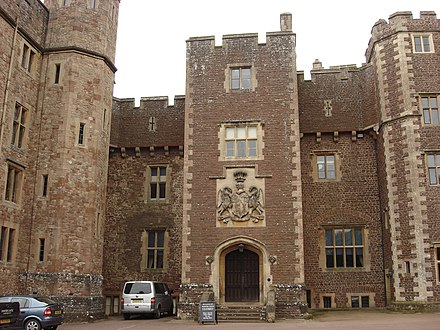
(24, 309)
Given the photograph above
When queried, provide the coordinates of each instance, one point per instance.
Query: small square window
(326, 167)
(422, 43)
(327, 301)
(241, 78)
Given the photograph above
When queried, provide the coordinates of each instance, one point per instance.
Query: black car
(37, 313)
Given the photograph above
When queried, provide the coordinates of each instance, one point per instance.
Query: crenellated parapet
(337, 98)
(153, 123)
(402, 21)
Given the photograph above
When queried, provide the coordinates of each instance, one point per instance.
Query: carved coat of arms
(240, 204)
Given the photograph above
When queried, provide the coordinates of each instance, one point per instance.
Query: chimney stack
(286, 22)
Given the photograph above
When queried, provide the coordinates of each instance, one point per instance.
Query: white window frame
(422, 45)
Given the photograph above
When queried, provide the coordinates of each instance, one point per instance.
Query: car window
(137, 288)
(159, 288)
(24, 303)
(43, 301)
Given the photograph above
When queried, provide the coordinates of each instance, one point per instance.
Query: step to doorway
(240, 313)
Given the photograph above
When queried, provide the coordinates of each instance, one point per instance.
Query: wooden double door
(242, 276)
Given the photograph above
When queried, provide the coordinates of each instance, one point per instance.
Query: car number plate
(5, 321)
(136, 301)
(57, 312)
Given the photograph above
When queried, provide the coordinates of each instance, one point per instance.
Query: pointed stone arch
(217, 277)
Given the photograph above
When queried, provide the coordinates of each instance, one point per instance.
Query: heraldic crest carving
(240, 204)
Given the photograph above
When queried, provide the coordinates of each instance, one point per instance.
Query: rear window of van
(137, 288)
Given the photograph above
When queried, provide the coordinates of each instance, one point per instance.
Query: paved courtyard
(335, 320)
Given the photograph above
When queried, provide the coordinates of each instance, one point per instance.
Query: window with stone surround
(327, 300)
(158, 178)
(325, 166)
(19, 126)
(344, 248)
(154, 250)
(429, 106)
(240, 77)
(422, 43)
(14, 178)
(7, 244)
(360, 301)
(433, 161)
(241, 140)
(27, 58)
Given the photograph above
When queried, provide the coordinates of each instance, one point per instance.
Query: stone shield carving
(240, 203)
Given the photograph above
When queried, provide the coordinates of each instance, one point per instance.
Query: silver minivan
(146, 297)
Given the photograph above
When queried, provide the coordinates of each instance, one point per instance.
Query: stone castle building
(257, 188)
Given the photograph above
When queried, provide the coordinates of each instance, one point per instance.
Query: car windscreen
(137, 288)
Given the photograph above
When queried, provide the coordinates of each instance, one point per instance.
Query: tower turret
(75, 98)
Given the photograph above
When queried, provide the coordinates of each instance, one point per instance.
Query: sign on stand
(207, 312)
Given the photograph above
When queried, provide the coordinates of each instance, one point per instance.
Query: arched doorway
(242, 275)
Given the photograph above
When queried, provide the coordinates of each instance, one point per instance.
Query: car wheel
(32, 324)
(126, 316)
(157, 314)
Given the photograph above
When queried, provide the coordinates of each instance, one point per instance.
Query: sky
(151, 41)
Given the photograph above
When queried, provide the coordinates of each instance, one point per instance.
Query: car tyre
(157, 313)
(126, 316)
(32, 324)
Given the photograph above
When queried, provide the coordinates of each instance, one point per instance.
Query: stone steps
(247, 314)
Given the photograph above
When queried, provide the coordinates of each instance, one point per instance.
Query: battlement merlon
(285, 29)
(342, 72)
(156, 102)
(400, 22)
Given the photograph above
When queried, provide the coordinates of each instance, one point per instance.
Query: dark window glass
(162, 189)
(81, 133)
(329, 258)
(137, 288)
(57, 73)
(365, 301)
(10, 245)
(44, 185)
(359, 257)
(355, 301)
(41, 253)
(349, 258)
(327, 302)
